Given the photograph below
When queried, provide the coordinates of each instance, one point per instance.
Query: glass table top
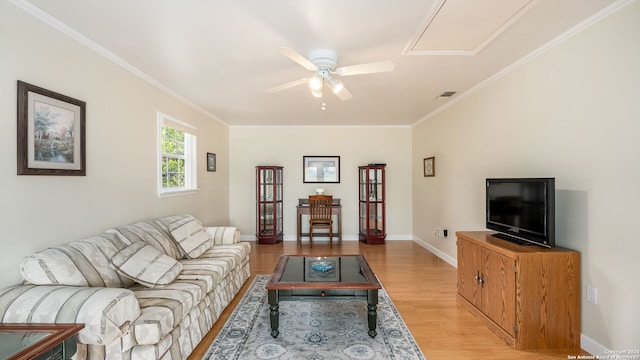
(12, 342)
(344, 269)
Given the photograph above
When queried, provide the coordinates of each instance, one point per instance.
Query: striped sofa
(149, 290)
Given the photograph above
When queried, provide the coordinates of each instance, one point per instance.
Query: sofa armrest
(105, 312)
(223, 235)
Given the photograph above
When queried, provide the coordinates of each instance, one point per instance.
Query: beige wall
(285, 146)
(571, 113)
(120, 186)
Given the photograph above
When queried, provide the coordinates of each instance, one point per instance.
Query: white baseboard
(593, 347)
(437, 252)
(252, 237)
(322, 239)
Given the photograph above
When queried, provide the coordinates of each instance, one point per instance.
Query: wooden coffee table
(323, 277)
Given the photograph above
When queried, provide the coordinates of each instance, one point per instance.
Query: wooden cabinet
(269, 212)
(528, 295)
(371, 207)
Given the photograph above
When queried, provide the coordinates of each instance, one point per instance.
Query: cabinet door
(468, 272)
(499, 289)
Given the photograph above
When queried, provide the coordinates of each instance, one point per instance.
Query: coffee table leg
(372, 313)
(274, 314)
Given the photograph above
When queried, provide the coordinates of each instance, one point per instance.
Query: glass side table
(38, 341)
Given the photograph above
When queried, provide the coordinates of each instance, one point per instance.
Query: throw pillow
(85, 262)
(146, 265)
(191, 237)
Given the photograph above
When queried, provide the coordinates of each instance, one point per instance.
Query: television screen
(522, 209)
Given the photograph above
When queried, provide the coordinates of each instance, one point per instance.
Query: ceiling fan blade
(287, 85)
(344, 94)
(295, 56)
(369, 68)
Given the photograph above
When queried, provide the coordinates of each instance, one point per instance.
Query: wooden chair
(320, 208)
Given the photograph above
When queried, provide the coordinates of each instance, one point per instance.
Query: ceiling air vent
(446, 94)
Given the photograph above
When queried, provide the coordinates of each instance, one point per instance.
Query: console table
(41, 341)
(303, 209)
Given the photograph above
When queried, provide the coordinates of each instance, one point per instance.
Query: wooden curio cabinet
(371, 207)
(268, 204)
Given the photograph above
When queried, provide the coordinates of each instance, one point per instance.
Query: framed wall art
(430, 166)
(51, 132)
(321, 169)
(211, 162)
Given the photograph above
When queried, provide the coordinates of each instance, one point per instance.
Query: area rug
(314, 330)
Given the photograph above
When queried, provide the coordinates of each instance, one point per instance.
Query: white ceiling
(222, 55)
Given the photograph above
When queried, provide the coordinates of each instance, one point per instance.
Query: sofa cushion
(162, 309)
(210, 271)
(215, 264)
(234, 254)
(190, 236)
(146, 265)
(84, 262)
(105, 312)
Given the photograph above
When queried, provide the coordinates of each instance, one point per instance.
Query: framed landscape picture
(321, 169)
(51, 132)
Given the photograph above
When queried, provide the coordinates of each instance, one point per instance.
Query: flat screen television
(522, 210)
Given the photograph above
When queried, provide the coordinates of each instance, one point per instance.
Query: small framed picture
(51, 132)
(430, 166)
(211, 162)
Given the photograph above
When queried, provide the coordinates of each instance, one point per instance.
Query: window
(177, 156)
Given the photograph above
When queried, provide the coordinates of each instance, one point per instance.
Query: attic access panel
(464, 27)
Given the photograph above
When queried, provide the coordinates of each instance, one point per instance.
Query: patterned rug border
(231, 340)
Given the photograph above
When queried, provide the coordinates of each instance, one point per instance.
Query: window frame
(190, 156)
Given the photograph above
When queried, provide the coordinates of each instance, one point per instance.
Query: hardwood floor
(423, 288)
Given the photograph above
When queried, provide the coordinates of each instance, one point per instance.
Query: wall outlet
(592, 294)
(437, 232)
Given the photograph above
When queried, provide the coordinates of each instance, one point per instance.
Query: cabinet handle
(479, 278)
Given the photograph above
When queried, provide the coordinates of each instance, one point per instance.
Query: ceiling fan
(323, 64)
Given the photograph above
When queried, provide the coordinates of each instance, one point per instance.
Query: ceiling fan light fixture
(335, 85)
(315, 83)
(323, 63)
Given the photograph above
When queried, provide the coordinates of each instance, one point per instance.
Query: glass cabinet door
(269, 213)
(371, 208)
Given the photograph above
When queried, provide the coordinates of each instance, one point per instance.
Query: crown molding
(74, 34)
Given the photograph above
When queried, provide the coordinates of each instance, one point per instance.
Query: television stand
(512, 239)
(529, 296)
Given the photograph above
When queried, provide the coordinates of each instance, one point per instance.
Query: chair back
(320, 207)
